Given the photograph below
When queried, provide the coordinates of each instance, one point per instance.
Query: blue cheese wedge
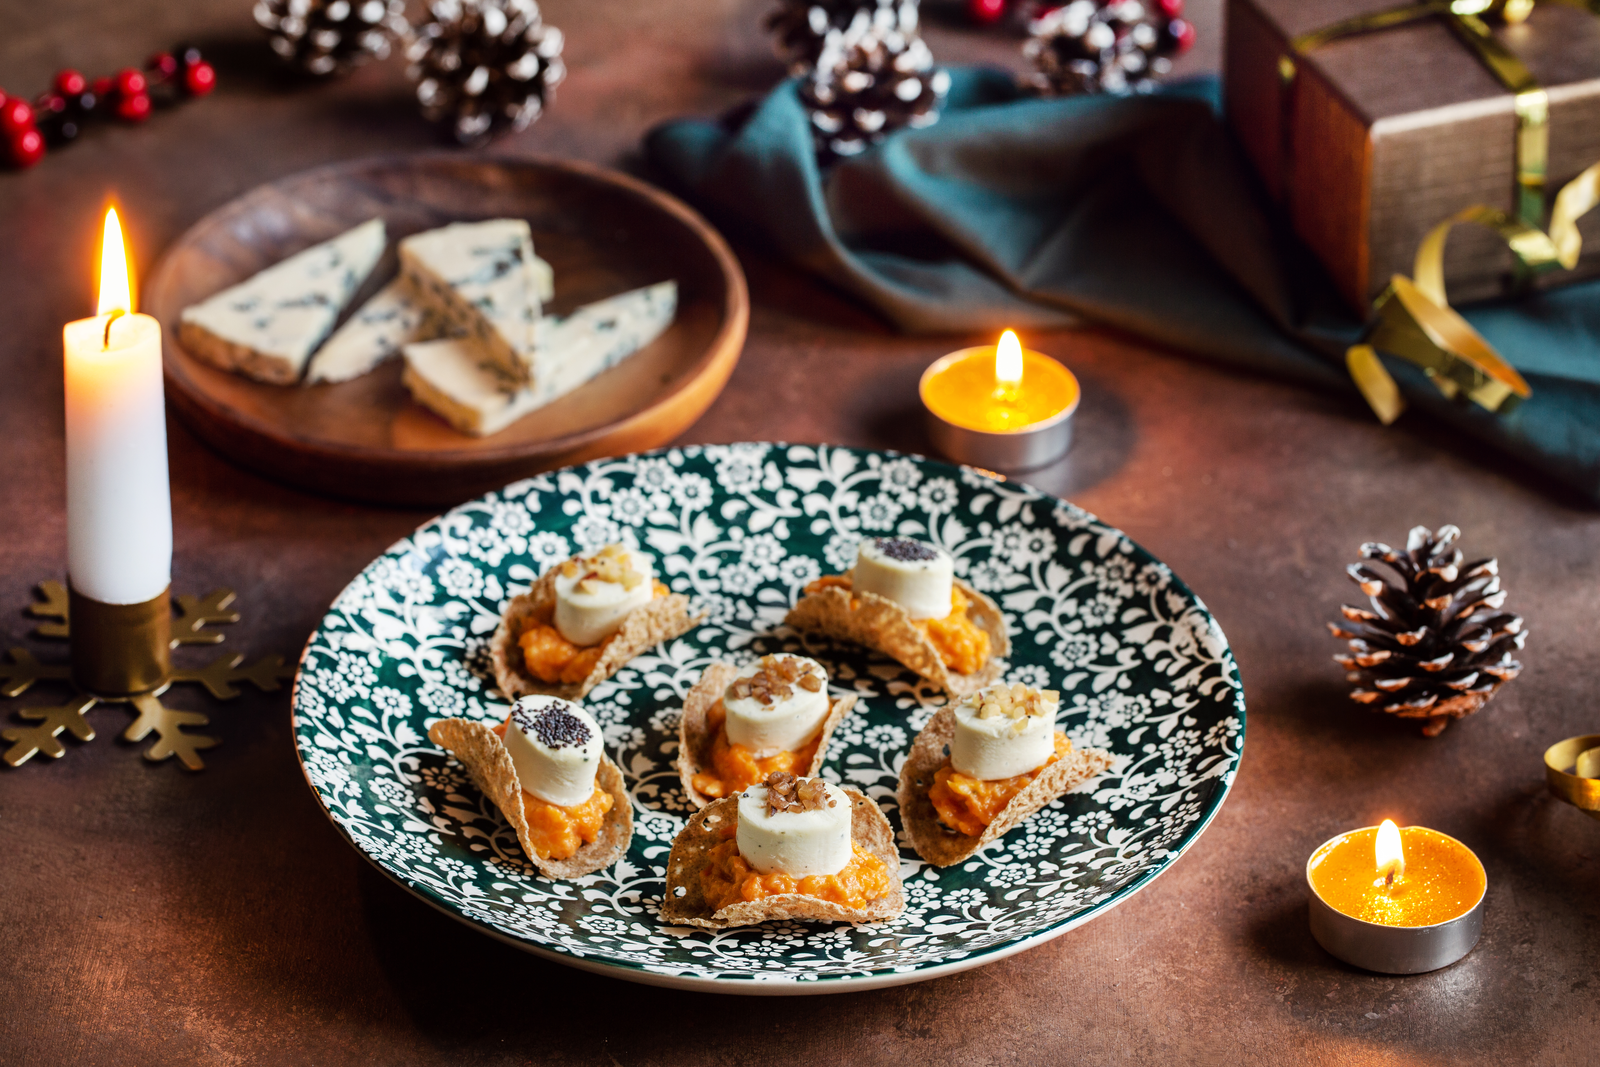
(392, 319)
(598, 336)
(458, 380)
(266, 327)
(378, 330)
(478, 277)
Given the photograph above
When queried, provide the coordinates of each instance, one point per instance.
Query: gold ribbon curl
(1413, 319)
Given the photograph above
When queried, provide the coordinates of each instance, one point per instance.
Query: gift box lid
(1423, 67)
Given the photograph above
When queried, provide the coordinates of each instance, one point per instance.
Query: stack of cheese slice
(466, 312)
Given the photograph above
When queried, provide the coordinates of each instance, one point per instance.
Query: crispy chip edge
(662, 619)
(882, 624)
(929, 837)
(481, 751)
(869, 828)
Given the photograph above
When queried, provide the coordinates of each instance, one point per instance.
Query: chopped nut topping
(1015, 701)
(775, 679)
(613, 564)
(785, 792)
(781, 790)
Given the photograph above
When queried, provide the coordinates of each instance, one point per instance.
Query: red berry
(135, 108)
(1172, 8)
(27, 148)
(986, 11)
(47, 105)
(70, 83)
(1183, 33)
(163, 64)
(102, 87)
(131, 82)
(16, 117)
(200, 78)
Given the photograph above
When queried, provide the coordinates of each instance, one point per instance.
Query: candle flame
(116, 280)
(1008, 362)
(1390, 856)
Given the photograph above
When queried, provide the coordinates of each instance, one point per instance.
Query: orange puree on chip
(727, 879)
(553, 659)
(558, 832)
(963, 645)
(969, 805)
(735, 769)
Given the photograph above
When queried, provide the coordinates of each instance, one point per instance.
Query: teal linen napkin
(1136, 212)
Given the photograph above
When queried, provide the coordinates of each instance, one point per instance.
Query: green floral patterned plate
(1143, 668)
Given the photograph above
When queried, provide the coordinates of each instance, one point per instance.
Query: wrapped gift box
(1382, 135)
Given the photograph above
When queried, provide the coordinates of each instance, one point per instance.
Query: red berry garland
(58, 116)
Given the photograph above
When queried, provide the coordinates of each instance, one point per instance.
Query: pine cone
(801, 26)
(867, 84)
(485, 66)
(1096, 46)
(324, 37)
(1436, 645)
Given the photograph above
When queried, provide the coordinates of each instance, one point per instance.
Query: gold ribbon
(1413, 319)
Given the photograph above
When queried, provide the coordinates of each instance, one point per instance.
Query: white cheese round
(590, 609)
(796, 843)
(555, 747)
(916, 575)
(772, 722)
(1002, 745)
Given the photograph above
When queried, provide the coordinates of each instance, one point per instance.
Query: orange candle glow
(999, 389)
(1398, 877)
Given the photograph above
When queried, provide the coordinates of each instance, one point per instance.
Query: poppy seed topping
(906, 550)
(553, 725)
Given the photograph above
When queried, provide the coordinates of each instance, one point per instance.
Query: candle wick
(111, 317)
(1388, 879)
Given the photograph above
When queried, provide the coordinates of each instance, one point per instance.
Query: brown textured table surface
(151, 916)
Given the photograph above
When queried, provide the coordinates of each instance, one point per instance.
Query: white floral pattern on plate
(1144, 670)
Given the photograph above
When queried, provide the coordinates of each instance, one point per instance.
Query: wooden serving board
(603, 233)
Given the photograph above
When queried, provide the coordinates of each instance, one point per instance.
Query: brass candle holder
(1560, 761)
(121, 650)
(121, 654)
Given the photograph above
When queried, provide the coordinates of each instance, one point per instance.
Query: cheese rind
(461, 382)
(796, 843)
(916, 575)
(380, 328)
(555, 747)
(589, 610)
(784, 725)
(478, 276)
(999, 745)
(267, 327)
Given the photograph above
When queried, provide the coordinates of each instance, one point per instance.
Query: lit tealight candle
(1396, 901)
(119, 508)
(1000, 406)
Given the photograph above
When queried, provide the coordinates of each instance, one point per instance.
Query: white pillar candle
(119, 506)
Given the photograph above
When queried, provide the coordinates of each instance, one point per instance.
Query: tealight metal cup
(1392, 949)
(1025, 449)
